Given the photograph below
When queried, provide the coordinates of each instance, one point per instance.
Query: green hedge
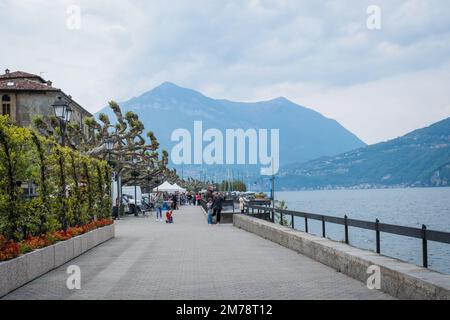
(72, 189)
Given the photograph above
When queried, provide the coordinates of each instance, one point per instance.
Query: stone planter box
(17, 272)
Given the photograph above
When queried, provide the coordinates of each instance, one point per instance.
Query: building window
(6, 105)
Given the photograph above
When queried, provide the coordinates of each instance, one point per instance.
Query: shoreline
(358, 188)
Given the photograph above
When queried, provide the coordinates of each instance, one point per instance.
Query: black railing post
(346, 229)
(424, 246)
(418, 233)
(324, 234)
(377, 231)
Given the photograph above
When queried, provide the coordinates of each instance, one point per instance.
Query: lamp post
(64, 113)
(109, 143)
(109, 146)
(273, 197)
(135, 174)
(149, 178)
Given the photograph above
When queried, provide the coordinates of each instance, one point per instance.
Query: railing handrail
(412, 232)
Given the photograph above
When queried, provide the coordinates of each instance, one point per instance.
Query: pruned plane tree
(122, 143)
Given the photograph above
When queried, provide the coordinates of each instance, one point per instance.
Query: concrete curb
(18, 272)
(399, 279)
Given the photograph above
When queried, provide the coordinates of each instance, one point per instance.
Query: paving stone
(191, 260)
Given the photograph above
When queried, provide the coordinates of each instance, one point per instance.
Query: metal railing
(231, 204)
(225, 204)
(423, 233)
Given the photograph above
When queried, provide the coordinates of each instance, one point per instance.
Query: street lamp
(109, 146)
(109, 143)
(134, 159)
(64, 113)
(149, 169)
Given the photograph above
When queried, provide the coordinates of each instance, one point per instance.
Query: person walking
(241, 204)
(159, 201)
(209, 206)
(116, 210)
(217, 207)
(175, 201)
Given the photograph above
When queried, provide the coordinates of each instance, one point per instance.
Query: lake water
(407, 207)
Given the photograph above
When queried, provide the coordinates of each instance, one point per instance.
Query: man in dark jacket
(217, 206)
(175, 201)
(209, 192)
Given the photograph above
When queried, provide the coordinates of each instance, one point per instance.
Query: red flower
(10, 249)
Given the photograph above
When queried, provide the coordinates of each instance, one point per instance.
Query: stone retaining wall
(17, 272)
(399, 279)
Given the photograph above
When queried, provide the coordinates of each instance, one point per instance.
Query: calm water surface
(407, 207)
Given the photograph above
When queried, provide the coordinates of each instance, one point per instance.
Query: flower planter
(63, 252)
(40, 262)
(17, 272)
(13, 274)
(77, 246)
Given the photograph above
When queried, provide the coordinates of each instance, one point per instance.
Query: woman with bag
(210, 211)
(242, 204)
(159, 201)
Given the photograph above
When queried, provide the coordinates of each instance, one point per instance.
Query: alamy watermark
(236, 146)
(74, 280)
(73, 21)
(374, 280)
(374, 20)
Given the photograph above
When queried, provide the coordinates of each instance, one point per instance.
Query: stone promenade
(191, 260)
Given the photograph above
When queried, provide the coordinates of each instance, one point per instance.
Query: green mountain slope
(418, 159)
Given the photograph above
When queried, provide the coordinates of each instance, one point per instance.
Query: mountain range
(304, 134)
(315, 152)
(418, 159)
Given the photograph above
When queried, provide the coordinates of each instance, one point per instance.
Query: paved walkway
(191, 260)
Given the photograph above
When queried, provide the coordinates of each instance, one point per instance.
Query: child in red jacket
(169, 217)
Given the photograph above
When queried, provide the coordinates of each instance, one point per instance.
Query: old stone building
(24, 95)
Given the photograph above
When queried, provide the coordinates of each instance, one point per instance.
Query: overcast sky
(379, 84)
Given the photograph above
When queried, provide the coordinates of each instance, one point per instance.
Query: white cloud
(385, 108)
(317, 53)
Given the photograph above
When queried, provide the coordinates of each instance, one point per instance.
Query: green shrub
(72, 189)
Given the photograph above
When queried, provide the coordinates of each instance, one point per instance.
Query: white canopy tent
(166, 187)
(180, 189)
